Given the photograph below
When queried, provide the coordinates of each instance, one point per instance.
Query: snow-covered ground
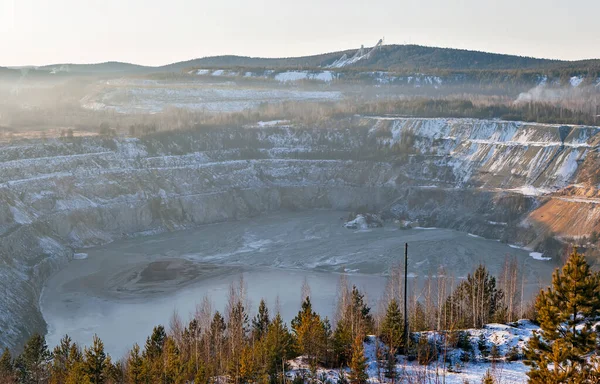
(136, 98)
(326, 76)
(506, 339)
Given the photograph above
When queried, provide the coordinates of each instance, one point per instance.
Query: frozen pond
(121, 290)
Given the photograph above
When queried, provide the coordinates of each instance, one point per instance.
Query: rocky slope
(485, 177)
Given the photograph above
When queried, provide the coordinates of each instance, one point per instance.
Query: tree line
(232, 347)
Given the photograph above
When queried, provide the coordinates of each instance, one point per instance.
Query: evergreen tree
(64, 356)
(488, 378)
(260, 323)
(356, 319)
(360, 313)
(191, 344)
(418, 318)
(155, 342)
(328, 357)
(390, 366)
(305, 311)
(237, 329)
(33, 365)
(95, 361)
(565, 312)
(135, 365)
(358, 364)
(392, 327)
(77, 374)
(248, 365)
(310, 334)
(113, 373)
(153, 362)
(7, 371)
(278, 346)
(342, 343)
(174, 369)
(201, 376)
(216, 349)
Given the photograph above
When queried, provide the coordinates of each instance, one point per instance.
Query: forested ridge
(389, 58)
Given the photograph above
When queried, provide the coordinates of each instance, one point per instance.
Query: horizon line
(292, 57)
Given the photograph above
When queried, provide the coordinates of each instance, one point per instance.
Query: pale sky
(156, 32)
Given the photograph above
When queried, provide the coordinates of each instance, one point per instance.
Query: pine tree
(216, 348)
(565, 312)
(135, 366)
(201, 376)
(77, 374)
(360, 313)
(174, 369)
(278, 346)
(310, 333)
(113, 373)
(153, 362)
(154, 343)
(328, 357)
(237, 327)
(64, 356)
(392, 327)
(391, 371)
(354, 319)
(418, 318)
(358, 364)
(7, 371)
(342, 343)
(95, 361)
(260, 323)
(488, 378)
(304, 311)
(248, 365)
(33, 365)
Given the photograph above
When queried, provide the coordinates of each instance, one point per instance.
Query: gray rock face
(57, 196)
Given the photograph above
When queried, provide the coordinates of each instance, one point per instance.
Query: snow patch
(539, 256)
(529, 190)
(271, 123)
(292, 76)
(364, 222)
(576, 81)
(19, 216)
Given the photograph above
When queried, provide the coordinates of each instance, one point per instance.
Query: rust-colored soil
(569, 216)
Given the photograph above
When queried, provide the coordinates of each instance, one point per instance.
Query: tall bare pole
(405, 298)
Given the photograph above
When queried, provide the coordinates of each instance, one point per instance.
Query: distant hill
(415, 56)
(388, 58)
(230, 61)
(8, 72)
(393, 58)
(108, 67)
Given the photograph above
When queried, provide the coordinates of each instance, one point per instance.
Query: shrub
(426, 351)
(513, 354)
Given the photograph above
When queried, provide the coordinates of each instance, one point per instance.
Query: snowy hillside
(466, 364)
